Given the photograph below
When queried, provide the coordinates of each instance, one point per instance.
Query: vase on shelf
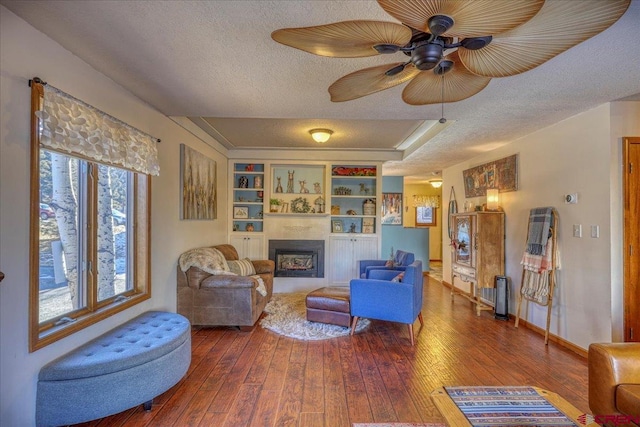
(244, 182)
(249, 227)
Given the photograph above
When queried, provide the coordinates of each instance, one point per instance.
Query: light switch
(595, 231)
(577, 230)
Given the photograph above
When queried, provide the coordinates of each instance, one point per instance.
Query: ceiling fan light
(443, 67)
(386, 48)
(321, 135)
(475, 43)
(439, 24)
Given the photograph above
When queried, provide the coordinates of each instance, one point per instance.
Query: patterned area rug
(506, 406)
(287, 315)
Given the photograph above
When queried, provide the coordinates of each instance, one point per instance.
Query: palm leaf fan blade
(459, 83)
(471, 18)
(347, 39)
(369, 80)
(559, 26)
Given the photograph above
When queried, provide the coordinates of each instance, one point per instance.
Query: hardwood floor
(259, 378)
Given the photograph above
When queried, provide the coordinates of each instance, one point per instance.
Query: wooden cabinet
(354, 199)
(345, 252)
(248, 245)
(477, 252)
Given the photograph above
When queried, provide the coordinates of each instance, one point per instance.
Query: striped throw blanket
(540, 221)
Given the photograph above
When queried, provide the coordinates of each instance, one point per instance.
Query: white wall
(26, 53)
(578, 155)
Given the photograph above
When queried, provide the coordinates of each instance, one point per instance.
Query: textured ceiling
(216, 60)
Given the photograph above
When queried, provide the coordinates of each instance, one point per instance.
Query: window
(425, 216)
(89, 237)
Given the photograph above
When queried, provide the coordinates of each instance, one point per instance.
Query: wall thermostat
(571, 198)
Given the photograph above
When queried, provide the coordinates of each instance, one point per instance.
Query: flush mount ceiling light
(436, 183)
(321, 135)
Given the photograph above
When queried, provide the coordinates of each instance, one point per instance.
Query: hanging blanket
(540, 220)
(261, 289)
(540, 263)
(210, 260)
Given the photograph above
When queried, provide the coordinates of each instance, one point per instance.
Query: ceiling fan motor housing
(427, 56)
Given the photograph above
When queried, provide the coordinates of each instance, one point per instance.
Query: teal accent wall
(414, 240)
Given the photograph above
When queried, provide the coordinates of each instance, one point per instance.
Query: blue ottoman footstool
(125, 367)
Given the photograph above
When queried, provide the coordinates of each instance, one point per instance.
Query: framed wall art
(392, 208)
(336, 226)
(197, 185)
(240, 212)
(501, 174)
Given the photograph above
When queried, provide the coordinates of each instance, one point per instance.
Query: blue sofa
(380, 297)
(400, 261)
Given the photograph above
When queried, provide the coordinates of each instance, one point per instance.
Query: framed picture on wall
(425, 216)
(241, 212)
(392, 208)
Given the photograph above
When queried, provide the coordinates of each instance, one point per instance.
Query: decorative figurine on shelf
(249, 226)
(303, 189)
(319, 205)
(316, 188)
(290, 181)
(369, 207)
(257, 182)
(279, 186)
(352, 228)
(244, 182)
(249, 168)
(363, 189)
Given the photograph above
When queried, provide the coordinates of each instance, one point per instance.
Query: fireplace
(297, 258)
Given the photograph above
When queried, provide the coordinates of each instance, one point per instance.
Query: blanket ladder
(552, 279)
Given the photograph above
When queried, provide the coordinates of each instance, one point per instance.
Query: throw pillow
(398, 278)
(242, 267)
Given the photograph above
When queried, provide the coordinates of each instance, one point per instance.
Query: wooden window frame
(45, 333)
(434, 217)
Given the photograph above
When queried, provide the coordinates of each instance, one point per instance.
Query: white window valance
(71, 126)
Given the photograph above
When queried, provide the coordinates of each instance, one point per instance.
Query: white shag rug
(287, 315)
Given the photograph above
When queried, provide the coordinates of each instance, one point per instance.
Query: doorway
(631, 251)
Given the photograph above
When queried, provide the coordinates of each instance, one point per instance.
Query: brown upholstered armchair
(614, 379)
(233, 300)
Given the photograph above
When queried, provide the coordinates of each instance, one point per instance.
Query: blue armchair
(379, 297)
(400, 261)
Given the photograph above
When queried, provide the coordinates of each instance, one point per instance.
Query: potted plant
(274, 205)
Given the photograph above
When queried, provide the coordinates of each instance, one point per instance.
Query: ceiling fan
(454, 47)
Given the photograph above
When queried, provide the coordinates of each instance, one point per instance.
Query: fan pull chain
(442, 119)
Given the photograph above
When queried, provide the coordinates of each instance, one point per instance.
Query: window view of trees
(66, 187)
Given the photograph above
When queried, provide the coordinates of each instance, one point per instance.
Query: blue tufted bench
(125, 367)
